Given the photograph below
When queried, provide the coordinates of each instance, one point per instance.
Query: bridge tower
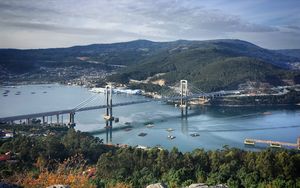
(183, 97)
(108, 117)
(71, 121)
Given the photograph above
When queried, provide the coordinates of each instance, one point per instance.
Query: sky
(272, 24)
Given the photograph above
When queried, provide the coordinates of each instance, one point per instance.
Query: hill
(290, 52)
(212, 64)
(127, 53)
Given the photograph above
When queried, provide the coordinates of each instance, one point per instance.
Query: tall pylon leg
(183, 97)
(108, 116)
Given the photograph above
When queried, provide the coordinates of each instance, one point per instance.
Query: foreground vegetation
(81, 160)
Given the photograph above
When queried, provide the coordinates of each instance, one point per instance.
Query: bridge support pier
(57, 119)
(183, 98)
(108, 117)
(72, 120)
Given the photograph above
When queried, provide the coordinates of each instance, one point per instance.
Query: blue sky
(273, 24)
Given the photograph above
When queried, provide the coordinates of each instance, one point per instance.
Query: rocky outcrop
(157, 185)
(203, 185)
(59, 186)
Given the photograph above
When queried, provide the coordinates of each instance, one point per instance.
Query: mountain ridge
(144, 58)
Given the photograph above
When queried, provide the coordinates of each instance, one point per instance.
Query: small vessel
(128, 129)
(45, 92)
(249, 142)
(127, 123)
(142, 134)
(18, 93)
(5, 95)
(171, 137)
(149, 125)
(5, 92)
(195, 134)
(170, 129)
(275, 145)
(32, 92)
(267, 113)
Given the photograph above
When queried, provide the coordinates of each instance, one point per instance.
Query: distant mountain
(290, 52)
(218, 63)
(127, 53)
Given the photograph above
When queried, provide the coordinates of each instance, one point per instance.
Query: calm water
(217, 126)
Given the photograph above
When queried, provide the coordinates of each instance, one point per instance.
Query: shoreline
(145, 94)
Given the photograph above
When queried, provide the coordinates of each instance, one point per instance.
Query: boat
(149, 125)
(171, 137)
(275, 145)
(249, 142)
(127, 123)
(18, 93)
(170, 129)
(267, 113)
(5, 95)
(32, 92)
(128, 129)
(45, 92)
(195, 134)
(142, 134)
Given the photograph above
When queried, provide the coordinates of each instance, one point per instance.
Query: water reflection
(184, 126)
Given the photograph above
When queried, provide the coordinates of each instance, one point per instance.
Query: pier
(271, 143)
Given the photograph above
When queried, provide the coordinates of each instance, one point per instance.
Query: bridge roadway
(70, 111)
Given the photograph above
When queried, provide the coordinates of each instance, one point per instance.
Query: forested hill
(203, 62)
(290, 52)
(133, 52)
(215, 65)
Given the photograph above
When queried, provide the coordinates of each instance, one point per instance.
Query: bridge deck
(67, 111)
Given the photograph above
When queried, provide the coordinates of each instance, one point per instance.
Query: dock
(271, 143)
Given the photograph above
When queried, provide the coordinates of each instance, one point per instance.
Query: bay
(216, 126)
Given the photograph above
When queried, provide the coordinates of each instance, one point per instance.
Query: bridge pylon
(108, 117)
(72, 120)
(183, 97)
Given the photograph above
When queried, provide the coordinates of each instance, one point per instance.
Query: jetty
(271, 143)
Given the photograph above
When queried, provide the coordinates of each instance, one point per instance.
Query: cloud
(126, 19)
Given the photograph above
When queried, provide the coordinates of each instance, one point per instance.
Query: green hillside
(209, 68)
(211, 65)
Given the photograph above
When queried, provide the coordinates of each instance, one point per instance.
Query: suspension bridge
(180, 95)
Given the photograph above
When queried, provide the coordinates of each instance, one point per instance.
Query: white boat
(171, 137)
